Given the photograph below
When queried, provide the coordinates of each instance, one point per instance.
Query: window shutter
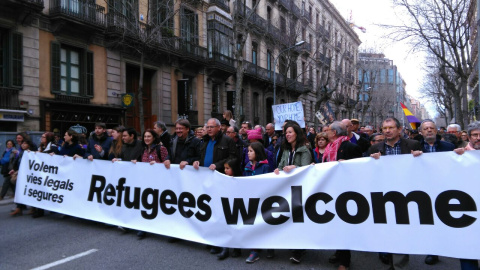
(89, 75)
(17, 60)
(55, 68)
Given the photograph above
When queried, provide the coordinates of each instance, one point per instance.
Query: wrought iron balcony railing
(82, 10)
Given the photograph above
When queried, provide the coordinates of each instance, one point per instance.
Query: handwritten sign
(288, 111)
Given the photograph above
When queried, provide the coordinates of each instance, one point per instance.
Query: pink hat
(255, 134)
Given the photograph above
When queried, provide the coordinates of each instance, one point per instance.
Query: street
(71, 243)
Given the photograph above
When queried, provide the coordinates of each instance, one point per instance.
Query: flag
(414, 122)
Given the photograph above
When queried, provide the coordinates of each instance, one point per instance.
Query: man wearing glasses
(431, 144)
(217, 148)
(394, 145)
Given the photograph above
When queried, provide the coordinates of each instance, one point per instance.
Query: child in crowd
(231, 169)
(258, 164)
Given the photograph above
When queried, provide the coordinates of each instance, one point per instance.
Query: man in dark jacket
(161, 129)
(216, 149)
(430, 143)
(394, 145)
(99, 143)
(340, 148)
(185, 146)
(132, 148)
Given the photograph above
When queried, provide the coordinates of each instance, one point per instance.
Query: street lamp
(275, 65)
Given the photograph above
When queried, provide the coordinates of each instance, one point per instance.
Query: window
(71, 70)
(390, 76)
(269, 60)
(11, 55)
(283, 24)
(162, 15)
(254, 53)
(189, 27)
(282, 67)
(216, 98)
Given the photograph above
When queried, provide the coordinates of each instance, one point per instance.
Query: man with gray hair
(216, 150)
(161, 129)
(473, 131)
(340, 148)
(431, 144)
(456, 130)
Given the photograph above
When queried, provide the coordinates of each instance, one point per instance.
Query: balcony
(36, 5)
(253, 19)
(72, 99)
(259, 72)
(193, 51)
(118, 23)
(306, 47)
(81, 12)
(9, 98)
(276, 34)
(290, 6)
(220, 61)
(222, 4)
(307, 16)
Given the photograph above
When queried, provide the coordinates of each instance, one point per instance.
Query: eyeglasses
(389, 128)
(210, 127)
(245, 122)
(475, 135)
(230, 132)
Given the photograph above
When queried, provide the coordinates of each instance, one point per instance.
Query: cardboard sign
(288, 111)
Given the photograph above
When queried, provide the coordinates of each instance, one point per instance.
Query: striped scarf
(331, 150)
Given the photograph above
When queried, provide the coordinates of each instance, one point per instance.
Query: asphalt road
(28, 243)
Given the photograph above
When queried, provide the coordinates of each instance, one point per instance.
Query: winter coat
(260, 168)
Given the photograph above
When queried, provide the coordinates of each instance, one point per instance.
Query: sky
(371, 13)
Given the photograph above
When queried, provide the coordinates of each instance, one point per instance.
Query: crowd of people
(248, 150)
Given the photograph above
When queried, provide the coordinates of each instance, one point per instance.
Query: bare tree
(439, 27)
(142, 35)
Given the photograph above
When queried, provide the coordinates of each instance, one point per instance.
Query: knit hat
(255, 134)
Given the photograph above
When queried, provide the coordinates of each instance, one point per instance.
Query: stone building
(382, 88)
(68, 62)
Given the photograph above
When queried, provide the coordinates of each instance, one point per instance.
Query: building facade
(69, 62)
(382, 89)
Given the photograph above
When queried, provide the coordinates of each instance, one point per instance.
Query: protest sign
(288, 111)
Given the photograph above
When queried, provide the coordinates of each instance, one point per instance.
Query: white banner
(288, 111)
(398, 204)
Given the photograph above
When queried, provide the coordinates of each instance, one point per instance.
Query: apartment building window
(71, 70)
(11, 55)
(128, 8)
(282, 67)
(304, 33)
(219, 41)
(254, 53)
(304, 72)
(216, 98)
(189, 26)
(269, 60)
(390, 76)
(162, 13)
(283, 24)
(293, 68)
(269, 15)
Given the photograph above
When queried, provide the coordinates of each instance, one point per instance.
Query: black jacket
(191, 151)
(132, 151)
(348, 150)
(223, 150)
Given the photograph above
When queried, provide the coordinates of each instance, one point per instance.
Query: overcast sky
(369, 14)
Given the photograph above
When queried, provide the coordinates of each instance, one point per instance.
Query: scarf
(331, 150)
